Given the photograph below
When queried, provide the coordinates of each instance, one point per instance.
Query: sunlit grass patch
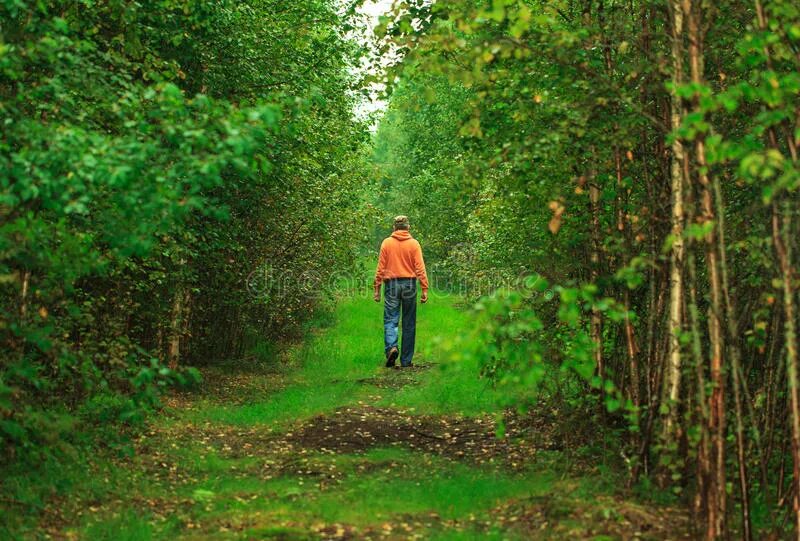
(450, 491)
(384, 484)
(333, 369)
(127, 526)
(295, 402)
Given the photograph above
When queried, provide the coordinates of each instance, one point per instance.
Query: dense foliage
(177, 180)
(637, 163)
(614, 183)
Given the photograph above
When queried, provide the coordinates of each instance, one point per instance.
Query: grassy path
(327, 444)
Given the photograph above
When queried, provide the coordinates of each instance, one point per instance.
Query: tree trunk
(715, 523)
(672, 381)
(630, 334)
(23, 304)
(781, 221)
(701, 500)
(179, 325)
(596, 323)
(780, 227)
(732, 319)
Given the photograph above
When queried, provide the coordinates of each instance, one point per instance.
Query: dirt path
(346, 449)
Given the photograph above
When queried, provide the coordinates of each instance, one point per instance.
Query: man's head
(401, 222)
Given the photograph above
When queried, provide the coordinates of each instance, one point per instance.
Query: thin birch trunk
(672, 383)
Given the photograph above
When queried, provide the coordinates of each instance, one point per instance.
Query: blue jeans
(400, 294)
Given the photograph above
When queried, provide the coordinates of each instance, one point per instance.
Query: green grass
(297, 401)
(396, 483)
(382, 486)
(187, 483)
(330, 365)
(128, 526)
(449, 387)
(415, 484)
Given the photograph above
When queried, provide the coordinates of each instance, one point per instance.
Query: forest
(192, 198)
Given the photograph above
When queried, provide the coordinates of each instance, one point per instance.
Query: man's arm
(422, 275)
(379, 273)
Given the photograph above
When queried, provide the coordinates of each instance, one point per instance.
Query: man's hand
(377, 295)
(424, 298)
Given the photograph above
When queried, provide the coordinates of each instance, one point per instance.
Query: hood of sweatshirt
(401, 234)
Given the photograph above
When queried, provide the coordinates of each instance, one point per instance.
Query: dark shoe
(409, 365)
(391, 357)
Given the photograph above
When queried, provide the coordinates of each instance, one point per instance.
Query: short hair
(401, 222)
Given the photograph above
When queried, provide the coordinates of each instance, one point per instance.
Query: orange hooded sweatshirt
(401, 257)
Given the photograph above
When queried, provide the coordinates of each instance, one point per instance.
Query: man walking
(400, 265)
